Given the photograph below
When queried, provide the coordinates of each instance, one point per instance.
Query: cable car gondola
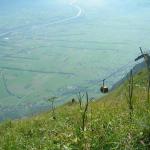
(104, 89)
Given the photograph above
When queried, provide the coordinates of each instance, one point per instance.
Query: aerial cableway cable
(104, 88)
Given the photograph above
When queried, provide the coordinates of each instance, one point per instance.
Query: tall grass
(129, 94)
(99, 125)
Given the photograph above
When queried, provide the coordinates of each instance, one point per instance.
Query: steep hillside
(108, 123)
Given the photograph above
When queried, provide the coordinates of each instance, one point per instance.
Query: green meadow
(108, 124)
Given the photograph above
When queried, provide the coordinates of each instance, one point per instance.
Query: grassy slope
(107, 125)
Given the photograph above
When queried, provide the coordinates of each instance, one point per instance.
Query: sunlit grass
(107, 125)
